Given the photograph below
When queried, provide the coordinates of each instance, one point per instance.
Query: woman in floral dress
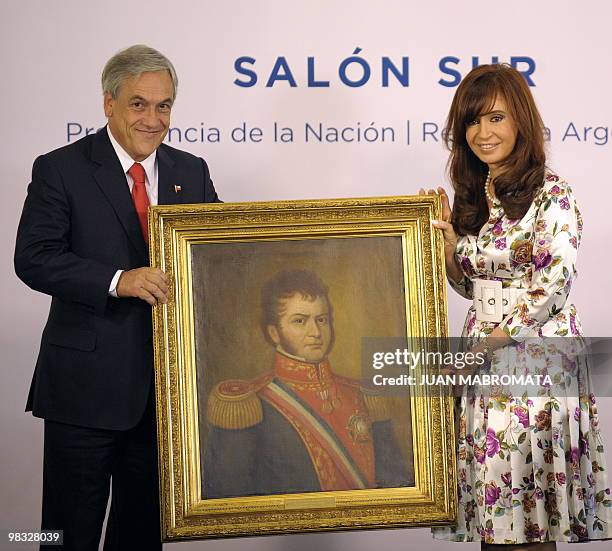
(531, 467)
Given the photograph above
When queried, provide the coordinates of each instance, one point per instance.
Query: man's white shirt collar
(126, 163)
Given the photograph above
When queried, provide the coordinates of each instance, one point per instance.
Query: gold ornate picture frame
(237, 401)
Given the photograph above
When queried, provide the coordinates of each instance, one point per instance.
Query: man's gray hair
(132, 62)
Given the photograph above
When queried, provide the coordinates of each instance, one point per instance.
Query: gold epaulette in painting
(234, 404)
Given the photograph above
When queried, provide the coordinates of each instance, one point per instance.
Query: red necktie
(140, 197)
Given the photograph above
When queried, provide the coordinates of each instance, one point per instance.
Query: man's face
(304, 327)
(139, 116)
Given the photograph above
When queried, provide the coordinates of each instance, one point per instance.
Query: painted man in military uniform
(299, 427)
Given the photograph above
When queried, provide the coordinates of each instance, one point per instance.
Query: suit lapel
(173, 182)
(166, 178)
(110, 178)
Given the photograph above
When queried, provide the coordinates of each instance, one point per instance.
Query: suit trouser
(79, 465)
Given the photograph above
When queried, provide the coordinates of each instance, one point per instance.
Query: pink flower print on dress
(493, 445)
(573, 327)
(542, 259)
(466, 266)
(523, 415)
(498, 228)
(492, 493)
(500, 244)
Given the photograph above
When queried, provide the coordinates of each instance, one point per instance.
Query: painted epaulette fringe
(379, 406)
(234, 405)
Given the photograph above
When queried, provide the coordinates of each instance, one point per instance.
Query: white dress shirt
(150, 167)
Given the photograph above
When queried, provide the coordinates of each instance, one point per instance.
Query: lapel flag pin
(177, 189)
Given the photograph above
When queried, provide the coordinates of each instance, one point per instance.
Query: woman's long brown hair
(523, 170)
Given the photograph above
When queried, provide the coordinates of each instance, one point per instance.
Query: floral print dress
(530, 467)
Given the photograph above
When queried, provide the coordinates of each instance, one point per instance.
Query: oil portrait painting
(287, 405)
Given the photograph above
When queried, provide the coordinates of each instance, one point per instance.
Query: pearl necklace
(490, 197)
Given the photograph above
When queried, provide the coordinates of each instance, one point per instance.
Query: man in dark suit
(82, 239)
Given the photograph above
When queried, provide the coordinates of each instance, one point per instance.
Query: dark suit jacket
(78, 227)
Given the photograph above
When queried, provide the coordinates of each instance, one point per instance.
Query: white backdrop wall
(52, 56)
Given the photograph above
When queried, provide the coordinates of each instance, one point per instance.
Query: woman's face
(492, 136)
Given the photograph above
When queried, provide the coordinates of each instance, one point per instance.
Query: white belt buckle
(488, 300)
(509, 299)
